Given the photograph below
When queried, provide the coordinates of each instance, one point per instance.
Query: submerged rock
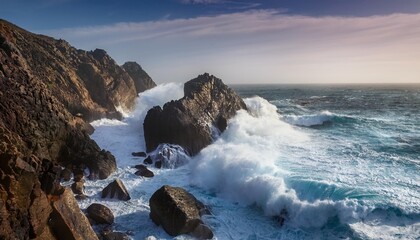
(143, 171)
(116, 236)
(176, 210)
(116, 189)
(139, 154)
(100, 214)
(196, 119)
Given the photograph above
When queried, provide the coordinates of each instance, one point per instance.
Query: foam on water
(324, 186)
(244, 166)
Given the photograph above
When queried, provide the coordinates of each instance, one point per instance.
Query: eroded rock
(195, 120)
(175, 209)
(100, 214)
(116, 189)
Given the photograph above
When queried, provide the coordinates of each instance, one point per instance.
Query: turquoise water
(365, 145)
(304, 162)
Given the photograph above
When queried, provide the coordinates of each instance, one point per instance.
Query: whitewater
(301, 163)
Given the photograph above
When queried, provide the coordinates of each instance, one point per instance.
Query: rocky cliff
(196, 119)
(48, 90)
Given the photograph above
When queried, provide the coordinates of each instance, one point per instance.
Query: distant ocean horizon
(330, 161)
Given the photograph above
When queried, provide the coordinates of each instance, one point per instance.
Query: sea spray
(244, 165)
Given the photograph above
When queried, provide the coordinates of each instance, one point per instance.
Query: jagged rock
(202, 232)
(142, 80)
(78, 188)
(143, 171)
(196, 119)
(175, 209)
(116, 236)
(103, 165)
(100, 214)
(67, 221)
(116, 189)
(139, 154)
(44, 85)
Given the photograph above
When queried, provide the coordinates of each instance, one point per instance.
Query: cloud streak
(266, 46)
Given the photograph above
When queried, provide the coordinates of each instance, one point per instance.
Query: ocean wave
(310, 120)
(242, 166)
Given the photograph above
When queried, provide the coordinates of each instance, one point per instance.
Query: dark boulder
(195, 120)
(175, 209)
(202, 232)
(116, 189)
(142, 80)
(78, 188)
(148, 160)
(139, 154)
(100, 214)
(103, 165)
(67, 221)
(143, 171)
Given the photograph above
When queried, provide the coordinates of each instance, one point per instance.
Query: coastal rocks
(143, 171)
(176, 210)
(100, 214)
(138, 154)
(195, 120)
(142, 80)
(78, 188)
(103, 165)
(67, 221)
(116, 236)
(116, 189)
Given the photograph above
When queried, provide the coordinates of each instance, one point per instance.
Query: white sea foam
(244, 166)
(310, 120)
(246, 174)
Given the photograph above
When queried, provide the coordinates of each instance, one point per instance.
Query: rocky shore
(49, 92)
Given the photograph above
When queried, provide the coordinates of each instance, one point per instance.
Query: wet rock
(139, 154)
(202, 232)
(148, 160)
(81, 197)
(100, 214)
(116, 189)
(103, 165)
(195, 120)
(67, 221)
(175, 209)
(144, 172)
(78, 188)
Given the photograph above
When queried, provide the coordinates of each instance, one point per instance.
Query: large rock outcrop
(177, 211)
(48, 90)
(196, 119)
(142, 80)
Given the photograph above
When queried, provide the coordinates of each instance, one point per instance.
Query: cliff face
(44, 84)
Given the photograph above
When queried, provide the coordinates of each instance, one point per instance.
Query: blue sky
(271, 41)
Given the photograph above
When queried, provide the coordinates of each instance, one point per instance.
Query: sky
(240, 41)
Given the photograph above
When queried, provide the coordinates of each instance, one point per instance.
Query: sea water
(303, 162)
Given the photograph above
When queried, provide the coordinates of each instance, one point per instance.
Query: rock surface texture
(48, 90)
(116, 189)
(100, 214)
(142, 80)
(196, 119)
(176, 210)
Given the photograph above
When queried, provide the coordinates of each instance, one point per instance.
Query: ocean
(335, 162)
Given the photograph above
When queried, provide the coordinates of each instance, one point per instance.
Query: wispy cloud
(266, 46)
